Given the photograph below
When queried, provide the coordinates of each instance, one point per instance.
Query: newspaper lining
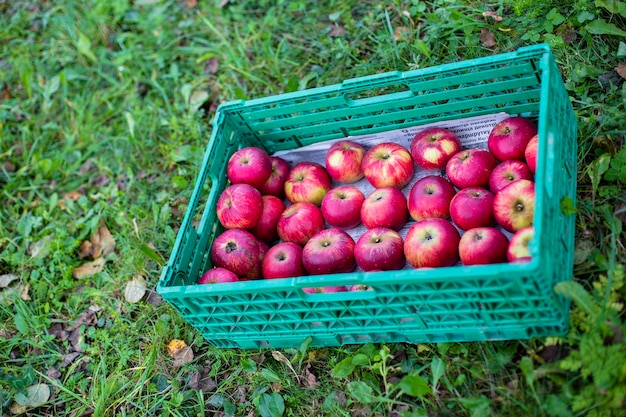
(472, 132)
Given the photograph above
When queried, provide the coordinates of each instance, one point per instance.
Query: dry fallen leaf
(103, 241)
(72, 195)
(281, 358)
(24, 293)
(192, 3)
(211, 66)
(337, 31)
(201, 381)
(621, 70)
(5, 94)
(88, 269)
(175, 345)
(401, 33)
(487, 38)
(35, 396)
(181, 353)
(6, 279)
(223, 3)
(493, 15)
(135, 289)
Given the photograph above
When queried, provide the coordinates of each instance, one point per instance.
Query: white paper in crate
(471, 131)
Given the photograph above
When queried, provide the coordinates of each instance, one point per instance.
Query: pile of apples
(282, 221)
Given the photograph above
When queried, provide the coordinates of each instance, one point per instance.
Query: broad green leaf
(621, 50)
(602, 27)
(343, 368)
(271, 405)
(597, 168)
(422, 48)
(360, 359)
(83, 45)
(248, 365)
(35, 396)
(478, 406)
(437, 369)
(21, 323)
(52, 86)
(578, 294)
(361, 392)
(414, 385)
(229, 408)
(613, 6)
(556, 406)
(528, 369)
(269, 375)
(130, 121)
(151, 253)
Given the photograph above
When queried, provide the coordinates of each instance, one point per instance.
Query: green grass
(104, 115)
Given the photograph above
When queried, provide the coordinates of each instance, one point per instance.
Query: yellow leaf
(175, 345)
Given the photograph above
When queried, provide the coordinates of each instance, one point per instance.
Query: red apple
(217, 275)
(236, 250)
(325, 290)
(432, 243)
(518, 250)
(470, 168)
(330, 251)
(249, 166)
(385, 207)
(283, 260)
(530, 154)
(483, 245)
(514, 205)
(360, 287)
(275, 184)
(239, 206)
(343, 161)
(472, 207)
(309, 182)
(507, 172)
(388, 164)
(432, 148)
(508, 139)
(430, 197)
(299, 222)
(379, 249)
(341, 206)
(256, 272)
(266, 227)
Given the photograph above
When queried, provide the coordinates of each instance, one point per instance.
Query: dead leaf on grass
(201, 381)
(103, 241)
(487, 38)
(493, 15)
(181, 353)
(135, 289)
(401, 33)
(72, 195)
(311, 379)
(34, 396)
(24, 295)
(621, 70)
(211, 66)
(281, 358)
(6, 279)
(192, 3)
(5, 94)
(337, 31)
(53, 373)
(88, 269)
(223, 3)
(175, 345)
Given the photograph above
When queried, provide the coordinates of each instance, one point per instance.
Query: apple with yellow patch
(432, 148)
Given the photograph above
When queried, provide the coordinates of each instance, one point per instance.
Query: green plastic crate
(493, 302)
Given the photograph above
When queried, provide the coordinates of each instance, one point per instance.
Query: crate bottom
(512, 332)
